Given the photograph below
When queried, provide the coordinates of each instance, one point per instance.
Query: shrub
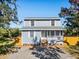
(5, 36)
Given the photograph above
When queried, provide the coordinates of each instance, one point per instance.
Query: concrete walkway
(66, 55)
(25, 53)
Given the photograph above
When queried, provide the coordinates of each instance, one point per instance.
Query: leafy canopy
(71, 16)
(8, 12)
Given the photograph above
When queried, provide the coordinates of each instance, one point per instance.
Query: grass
(5, 42)
(5, 46)
(73, 50)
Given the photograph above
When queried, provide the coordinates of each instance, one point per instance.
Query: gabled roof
(41, 18)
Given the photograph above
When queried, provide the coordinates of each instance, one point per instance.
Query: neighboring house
(38, 28)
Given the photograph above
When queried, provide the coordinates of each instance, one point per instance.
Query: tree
(8, 12)
(71, 16)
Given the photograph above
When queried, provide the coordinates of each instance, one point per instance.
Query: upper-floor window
(52, 22)
(32, 23)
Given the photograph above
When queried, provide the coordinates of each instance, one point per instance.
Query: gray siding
(26, 38)
(42, 23)
(58, 23)
(31, 40)
(27, 23)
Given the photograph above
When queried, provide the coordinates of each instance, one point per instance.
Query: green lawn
(73, 50)
(6, 46)
(5, 42)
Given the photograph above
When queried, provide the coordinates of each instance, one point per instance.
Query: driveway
(25, 53)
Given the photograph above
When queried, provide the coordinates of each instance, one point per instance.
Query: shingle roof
(43, 28)
(41, 18)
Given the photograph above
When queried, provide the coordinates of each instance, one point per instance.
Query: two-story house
(38, 28)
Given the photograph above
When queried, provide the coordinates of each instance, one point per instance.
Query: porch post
(60, 33)
(54, 32)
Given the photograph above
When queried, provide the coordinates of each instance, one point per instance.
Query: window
(32, 23)
(31, 33)
(61, 32)
(52, 22)
(47, 33)
(52, 33)
(43, 33)
(57, 33)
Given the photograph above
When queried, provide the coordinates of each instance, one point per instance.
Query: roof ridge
(41, 18)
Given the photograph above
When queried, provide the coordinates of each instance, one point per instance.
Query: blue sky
(40, 8)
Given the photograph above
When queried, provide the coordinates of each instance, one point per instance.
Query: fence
(72, 40)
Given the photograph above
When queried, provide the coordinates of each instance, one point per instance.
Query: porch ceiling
(43, 28)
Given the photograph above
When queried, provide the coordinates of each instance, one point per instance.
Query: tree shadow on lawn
(47, 53)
